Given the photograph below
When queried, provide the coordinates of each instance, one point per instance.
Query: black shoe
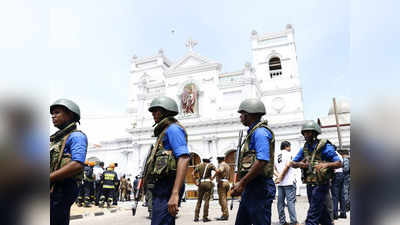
(148, 217)
(196, 220)
(206, 220)
(222, 218)
(335, 217)
(343, 215)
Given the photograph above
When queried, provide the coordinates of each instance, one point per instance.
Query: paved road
(186, 215)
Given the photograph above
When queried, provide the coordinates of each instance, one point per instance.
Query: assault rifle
(140, 183)
(238, 148)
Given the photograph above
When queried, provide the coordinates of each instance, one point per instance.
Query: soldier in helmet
(222, 175)
(68, 148)
(203, 172)
(317, 159)
(168, 161)
(256, 167)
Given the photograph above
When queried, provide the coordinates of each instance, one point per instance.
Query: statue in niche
(189, 99)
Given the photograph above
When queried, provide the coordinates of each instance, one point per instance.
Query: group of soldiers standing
(167, 162)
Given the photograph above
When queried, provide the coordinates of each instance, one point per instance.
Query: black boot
(222, 218)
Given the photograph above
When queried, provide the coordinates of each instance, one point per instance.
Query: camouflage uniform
(149, 198)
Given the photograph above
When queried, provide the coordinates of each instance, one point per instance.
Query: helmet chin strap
(162, 117)
(312, 139)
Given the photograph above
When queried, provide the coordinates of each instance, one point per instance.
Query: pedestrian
(135, 185)
(168, 161)
(129, 189)
(203, 172)
(98, 171)
(222, 175)
(317, 159)
(256, 167)
(346, 178)
(286, 184)
(109, 182)
(337, 190)
(68, 148)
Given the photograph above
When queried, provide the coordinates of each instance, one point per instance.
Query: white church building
(208, 99)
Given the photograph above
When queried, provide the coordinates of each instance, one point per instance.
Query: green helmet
(252, 105)
(72, 106)
(311, 125)
(166, 103)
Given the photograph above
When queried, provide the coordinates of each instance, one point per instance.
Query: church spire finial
(190, 44)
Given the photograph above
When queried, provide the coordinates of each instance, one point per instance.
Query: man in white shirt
(286, 184)
(98, 171)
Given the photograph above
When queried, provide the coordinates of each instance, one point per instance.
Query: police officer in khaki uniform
(222, 175)
(204, 182)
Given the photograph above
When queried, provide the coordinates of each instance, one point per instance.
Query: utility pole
(337, 124)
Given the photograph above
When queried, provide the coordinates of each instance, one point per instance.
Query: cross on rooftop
(190, 44)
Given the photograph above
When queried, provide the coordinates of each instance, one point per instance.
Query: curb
(74, 217)
(100, 213)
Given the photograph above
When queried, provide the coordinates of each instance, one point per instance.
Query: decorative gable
(192, 62)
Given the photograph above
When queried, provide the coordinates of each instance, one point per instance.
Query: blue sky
(82, 49)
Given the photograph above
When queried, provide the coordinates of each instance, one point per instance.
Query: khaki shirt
(200, 170)
(124, 184)
(225, 169)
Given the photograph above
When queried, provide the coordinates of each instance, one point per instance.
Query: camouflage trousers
(149, 201)
(223, 188)
(204, 192)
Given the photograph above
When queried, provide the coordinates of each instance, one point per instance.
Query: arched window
(194, 161)
(275, 67)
